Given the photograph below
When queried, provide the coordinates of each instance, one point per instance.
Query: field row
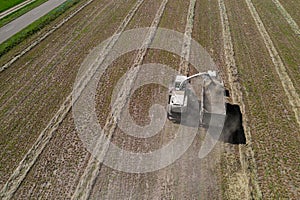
(269, 109)
(53, 77)
(256, 52)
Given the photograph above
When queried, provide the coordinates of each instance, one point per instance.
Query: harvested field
(294, 26)
(260, 82)
(290, 91)
(292, 8)
(50, 72)
(113, 184)
(255, 48)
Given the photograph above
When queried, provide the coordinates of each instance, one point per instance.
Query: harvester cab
(177, 98)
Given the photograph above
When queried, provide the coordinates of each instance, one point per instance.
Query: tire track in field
(280, 68)
(246, 153)
(229, 54)
(36, 42)
(287, 17)
(85, 185)
(185, 52)
(169, 177)
(29, 159)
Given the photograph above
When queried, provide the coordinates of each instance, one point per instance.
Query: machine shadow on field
(233, 131)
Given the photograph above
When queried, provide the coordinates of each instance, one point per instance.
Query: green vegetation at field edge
(20, 12)
(5, 4)
(35, 27)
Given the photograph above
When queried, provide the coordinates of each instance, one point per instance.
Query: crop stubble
(91, 173)
(183, 179)
(255, 76)
(86, 46)
(269, 112)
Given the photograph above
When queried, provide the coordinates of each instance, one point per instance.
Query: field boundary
(92, 170)
(22, 11)
(247, 159)
(43, 37)
(31, 156)
(44, 74)
(15, 8)
(280, 68)
(287, 17)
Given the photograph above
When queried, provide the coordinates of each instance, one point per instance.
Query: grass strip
(35, 27)
(20, 12)
(5, 5)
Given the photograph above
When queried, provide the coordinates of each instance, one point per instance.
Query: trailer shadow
(232, 132)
